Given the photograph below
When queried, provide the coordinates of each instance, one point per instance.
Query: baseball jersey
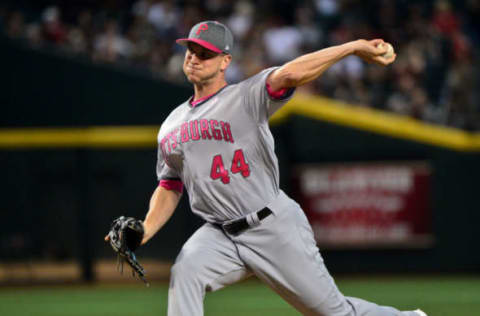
(221, 149)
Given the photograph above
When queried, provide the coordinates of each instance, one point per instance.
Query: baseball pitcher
(218, 146)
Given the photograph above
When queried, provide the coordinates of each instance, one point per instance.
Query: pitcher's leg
(207, 262)
(282, 252)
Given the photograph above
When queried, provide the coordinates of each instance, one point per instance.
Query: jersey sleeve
(261, 101)
(167, 177)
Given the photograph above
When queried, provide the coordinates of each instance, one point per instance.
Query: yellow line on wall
(323, 109)
(380, 122)
(93, 137)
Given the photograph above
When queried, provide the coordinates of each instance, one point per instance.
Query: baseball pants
(280, 251)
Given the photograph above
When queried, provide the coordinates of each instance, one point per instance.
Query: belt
(239, 225)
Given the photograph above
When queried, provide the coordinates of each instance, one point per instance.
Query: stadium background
(85, 85)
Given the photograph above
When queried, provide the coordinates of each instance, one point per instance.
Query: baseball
(389, 52)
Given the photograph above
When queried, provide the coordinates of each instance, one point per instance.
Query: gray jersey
(223, 151)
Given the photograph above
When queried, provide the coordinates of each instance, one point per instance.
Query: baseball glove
(125, 236)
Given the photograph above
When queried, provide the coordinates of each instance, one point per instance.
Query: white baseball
(389, 52)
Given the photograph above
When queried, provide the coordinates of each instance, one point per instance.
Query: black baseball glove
(125, 237)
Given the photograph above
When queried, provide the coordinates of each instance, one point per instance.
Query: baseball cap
(212, 35)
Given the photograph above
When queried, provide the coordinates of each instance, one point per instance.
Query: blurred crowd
(435, 78)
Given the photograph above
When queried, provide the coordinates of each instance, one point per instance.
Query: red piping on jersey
(194, 103)
(176, 185)
(280, 94)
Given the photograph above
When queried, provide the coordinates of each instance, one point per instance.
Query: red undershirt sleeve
(171, 184)
(280, 94)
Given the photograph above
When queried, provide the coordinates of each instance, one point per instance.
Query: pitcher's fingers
(380, 50)
(376, 41)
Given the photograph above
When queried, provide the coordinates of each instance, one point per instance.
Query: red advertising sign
(367, 204)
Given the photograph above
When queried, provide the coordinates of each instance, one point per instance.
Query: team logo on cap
(203, 27)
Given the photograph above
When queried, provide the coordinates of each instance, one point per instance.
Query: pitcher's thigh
(208, 260)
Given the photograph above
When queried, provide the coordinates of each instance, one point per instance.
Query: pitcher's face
(202, 65)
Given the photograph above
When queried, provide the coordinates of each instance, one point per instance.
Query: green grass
(438, 296)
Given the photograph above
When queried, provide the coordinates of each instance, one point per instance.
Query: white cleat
(420, 312)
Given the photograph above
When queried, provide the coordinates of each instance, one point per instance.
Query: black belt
(237, 226)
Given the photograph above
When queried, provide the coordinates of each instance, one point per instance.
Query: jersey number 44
(239, 164)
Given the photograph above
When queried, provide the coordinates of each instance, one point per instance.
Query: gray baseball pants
(280, 251)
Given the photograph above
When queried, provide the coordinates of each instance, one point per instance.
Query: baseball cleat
(420, 312)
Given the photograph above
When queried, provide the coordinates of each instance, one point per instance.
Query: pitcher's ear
(226, 61)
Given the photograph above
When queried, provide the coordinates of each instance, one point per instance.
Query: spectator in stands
(53, 28)
(282, 42)
(111, 45)
(15, 25)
